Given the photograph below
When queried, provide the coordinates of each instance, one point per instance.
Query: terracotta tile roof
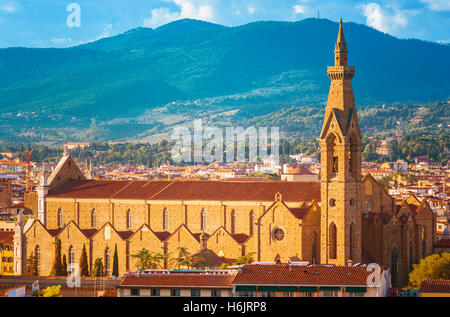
(111, 292)
(125, 234)
(54, 232)
(240, 237)
(299, 170)
(443, 243)
(179, 280)
(162, 235)
(435, 286)
(7, 237)
(188, 190)
(302, 275)
(88, 232)
(299, 213)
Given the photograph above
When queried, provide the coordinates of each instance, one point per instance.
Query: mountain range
(142, 81)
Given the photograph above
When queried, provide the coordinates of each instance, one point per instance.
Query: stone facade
(343, 218)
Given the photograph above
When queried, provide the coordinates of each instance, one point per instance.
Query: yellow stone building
(341, 218)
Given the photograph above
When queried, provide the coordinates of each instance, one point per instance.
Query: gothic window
(203, 220)
(423, 243)
(394, 266)
(129, 219)
(369, 204)
(411, 255)
(314, 248)
(37, 252)
(332, 241)
(351, 154)
(233, 222)
(335, 165)
(107, 261)
(352, 241)
(94, 219)
(60, 218)
(165, 220)
(332, 156)
(252, 222)
(71, 255)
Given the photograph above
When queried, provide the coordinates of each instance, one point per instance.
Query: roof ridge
(129, 183)
(164, 188)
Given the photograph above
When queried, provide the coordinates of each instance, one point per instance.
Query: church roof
(188, 190)
(299, 213)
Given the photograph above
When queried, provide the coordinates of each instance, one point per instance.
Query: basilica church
(341, 219)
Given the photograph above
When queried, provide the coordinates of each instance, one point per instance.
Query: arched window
(411, 256)
(332, 159)
(332, 241)
(252, 222)
(107, 261)
(129, 219)
(165, 220)
(352, 241)
(60, 218)
(314, 249)
(394, 266)
(423, 243)
(37, 252)
(71, 255)
(203, 220)
(94, 219)
(351, 156)
(233, 222)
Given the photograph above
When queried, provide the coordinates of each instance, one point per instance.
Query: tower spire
(340, 51)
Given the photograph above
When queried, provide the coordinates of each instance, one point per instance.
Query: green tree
(245, 259)
(183, 259)
(149, 260)
(64, 264)
(436, 267)
(98, 270)
(57, 268)
(31, 266)
(84, 266)
(115, 270)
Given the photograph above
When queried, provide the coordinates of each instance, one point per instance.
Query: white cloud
(437, 5)
(192, 9)
(384, 19)
(9, 8)
(298, 9)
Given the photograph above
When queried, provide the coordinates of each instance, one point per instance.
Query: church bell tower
(340, 148)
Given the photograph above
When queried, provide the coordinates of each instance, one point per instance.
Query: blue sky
(42, 23)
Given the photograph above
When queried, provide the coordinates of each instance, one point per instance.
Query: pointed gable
(66, 170)
(108, 232)
(71, 231)
(225, 244)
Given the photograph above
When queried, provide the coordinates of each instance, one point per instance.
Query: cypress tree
(84, 266)
(57, 269)
(115, 270)
(64, 264)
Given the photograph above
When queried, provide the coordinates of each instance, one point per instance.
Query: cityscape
(207, 198)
